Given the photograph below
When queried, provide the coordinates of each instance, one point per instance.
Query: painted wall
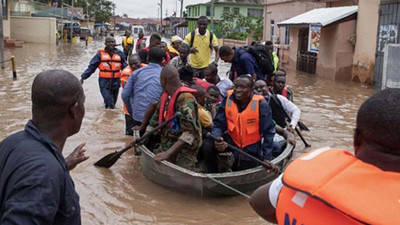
(280, 10)
(367, 29)
(336, 53)
(335, 56)
(34, 29)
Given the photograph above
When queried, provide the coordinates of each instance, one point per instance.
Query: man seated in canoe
(243, 120)
(181, 139)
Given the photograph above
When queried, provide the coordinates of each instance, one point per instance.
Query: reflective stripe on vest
(345, 190)
(244, 127)
(110, 66)
(171, 104)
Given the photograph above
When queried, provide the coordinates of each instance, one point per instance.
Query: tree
(125, 15)
(100, 9)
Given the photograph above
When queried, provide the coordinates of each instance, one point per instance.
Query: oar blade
(303, 126)
(108, 160)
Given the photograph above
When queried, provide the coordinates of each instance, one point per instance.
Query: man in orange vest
(332, 186)
(243, 120)
(134, 63)
(110, 61)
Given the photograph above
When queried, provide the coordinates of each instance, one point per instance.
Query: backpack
(193, 35)
(263, 57)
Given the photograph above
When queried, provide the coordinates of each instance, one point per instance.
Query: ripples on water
(122, 195)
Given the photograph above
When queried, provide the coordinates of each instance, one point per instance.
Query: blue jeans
(109, 88)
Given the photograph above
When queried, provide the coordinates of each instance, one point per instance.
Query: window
(208, 11)
(287, 35)
(198, 11)
(272, 30)
(236, 11)
(5, 11)
(190, 12)
(226, 9)
(255, 12)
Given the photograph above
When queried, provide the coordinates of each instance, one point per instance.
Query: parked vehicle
(76, 29)
(136, 29)
(85, 32)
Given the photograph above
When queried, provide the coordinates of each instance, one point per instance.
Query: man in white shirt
(211, 76)
(278, 103)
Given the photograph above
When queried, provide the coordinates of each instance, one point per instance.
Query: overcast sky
(149, 8)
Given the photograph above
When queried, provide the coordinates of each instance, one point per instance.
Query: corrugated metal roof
(323, 16)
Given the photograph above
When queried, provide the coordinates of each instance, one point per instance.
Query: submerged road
(122, 195)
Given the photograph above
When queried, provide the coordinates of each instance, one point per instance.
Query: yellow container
(89, 39)
(75, 40)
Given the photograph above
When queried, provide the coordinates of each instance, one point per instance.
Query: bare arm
(216, 49)
(261, 203)
(175, 148)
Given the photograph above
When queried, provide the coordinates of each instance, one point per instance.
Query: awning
(322, 16)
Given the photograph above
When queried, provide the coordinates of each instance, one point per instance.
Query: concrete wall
(336, 52)
(34, 29)
(293, 48)
(280, 10)
(6, 22)
(367, 29)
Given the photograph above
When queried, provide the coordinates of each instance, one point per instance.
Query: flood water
(122, 195)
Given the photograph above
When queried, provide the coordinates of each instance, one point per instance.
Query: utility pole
(212, 15)
(72, 18)
(62, 20)
(87, 13)
(114, 15)
(1, 36)
(181, 9)
(160, 15)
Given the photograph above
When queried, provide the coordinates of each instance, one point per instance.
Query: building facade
(248, 8)
(377, 25)
(329, 51)
(276, 11)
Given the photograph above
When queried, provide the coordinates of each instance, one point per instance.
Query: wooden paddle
(110, 159)
(268, 166)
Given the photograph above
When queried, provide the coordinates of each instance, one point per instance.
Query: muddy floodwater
(122, 195)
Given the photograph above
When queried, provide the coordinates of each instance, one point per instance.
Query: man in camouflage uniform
(180, 140)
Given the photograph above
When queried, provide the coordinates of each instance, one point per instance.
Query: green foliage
(245, 26)
(102, 10)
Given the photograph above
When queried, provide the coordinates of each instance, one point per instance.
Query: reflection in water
(122, 195)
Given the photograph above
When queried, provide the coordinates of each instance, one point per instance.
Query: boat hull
(202, 184)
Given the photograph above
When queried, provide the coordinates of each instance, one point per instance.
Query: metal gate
(306, 61)
(388, 32)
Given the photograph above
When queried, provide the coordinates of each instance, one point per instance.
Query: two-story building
(248, 8)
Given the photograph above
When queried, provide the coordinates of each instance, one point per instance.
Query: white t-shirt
(224, 85)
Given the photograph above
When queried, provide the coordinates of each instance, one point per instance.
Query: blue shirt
(261, 150)
(142, 89)
(244, 63)
(35, 185)
(95, 62)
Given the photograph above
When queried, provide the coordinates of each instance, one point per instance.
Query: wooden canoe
(203, 184)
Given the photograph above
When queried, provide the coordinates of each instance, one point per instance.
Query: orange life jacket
(330, 186)
(110, 66)
(126, 73)
(244, 127)
(171, 109)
